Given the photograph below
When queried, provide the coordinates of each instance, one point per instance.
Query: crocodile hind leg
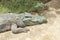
(5, 27)
(16, 30)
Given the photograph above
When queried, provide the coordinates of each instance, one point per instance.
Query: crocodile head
(30, 19)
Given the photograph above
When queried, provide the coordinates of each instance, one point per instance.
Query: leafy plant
(19, 6)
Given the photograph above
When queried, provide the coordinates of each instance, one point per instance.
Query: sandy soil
(48, 31)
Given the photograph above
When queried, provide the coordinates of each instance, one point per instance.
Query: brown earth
(48, 31)
(54, 4)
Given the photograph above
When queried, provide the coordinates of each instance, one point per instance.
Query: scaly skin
(17, 22)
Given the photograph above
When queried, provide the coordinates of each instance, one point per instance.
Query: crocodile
(17, 22)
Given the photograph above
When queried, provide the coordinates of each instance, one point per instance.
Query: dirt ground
(54, 4)
(48, 31)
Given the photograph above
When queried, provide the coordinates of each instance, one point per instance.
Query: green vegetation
(19, 6)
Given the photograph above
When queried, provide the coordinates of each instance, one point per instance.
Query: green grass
(19, 6)
(4, 10)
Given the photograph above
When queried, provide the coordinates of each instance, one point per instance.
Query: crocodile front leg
(16, 30)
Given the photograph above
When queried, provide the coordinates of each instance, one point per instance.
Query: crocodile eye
(28, 17)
